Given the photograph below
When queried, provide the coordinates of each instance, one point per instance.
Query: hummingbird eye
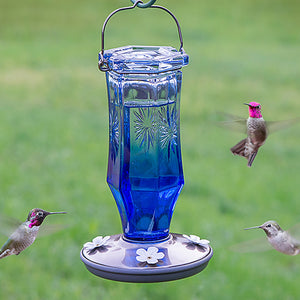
(40, 214)
(269, 225)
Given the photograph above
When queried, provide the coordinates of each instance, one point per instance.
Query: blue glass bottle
(145, 166)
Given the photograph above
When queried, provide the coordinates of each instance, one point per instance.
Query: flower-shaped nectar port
(196, 240)
(97, 242)
(150, 256)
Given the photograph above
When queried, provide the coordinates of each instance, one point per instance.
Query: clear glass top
(145, 59)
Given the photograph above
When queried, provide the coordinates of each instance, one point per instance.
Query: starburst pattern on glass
(114, 133)
(168, 128)
(162, 121)
(145, 126)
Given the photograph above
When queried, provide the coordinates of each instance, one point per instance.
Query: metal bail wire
(103, 63)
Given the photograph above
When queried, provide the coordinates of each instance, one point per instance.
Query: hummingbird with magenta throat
(279, 239)
(256, 134)
(26, 233)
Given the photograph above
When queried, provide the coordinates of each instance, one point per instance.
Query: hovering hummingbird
(26, 233)
(256, 134)
(280, 240)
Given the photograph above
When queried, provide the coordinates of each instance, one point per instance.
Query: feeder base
(118, 259)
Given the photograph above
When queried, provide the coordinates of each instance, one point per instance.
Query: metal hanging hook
(103, 64)
(144, 5)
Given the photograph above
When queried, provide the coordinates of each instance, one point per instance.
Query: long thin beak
(56, 213)
(252, 227)
(247, 104)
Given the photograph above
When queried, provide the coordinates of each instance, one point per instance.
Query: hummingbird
(26, 233)
(279, 239)
(256, 134)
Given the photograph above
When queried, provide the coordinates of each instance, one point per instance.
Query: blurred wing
(295, 232)
(256, 245)
(8, 225)
(50, 229)
(231, 122)
(278, 125)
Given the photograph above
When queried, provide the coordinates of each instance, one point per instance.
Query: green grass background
(54, 141)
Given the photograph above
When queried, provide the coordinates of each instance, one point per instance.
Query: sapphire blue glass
(145, 167)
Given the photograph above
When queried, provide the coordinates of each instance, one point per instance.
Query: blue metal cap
(144, 59)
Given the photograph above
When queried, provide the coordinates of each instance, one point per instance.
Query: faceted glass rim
(120, 61)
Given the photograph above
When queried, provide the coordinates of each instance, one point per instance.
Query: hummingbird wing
(237, 123)
(231, 122)
(8, 225)
(295, 234)
(49, 229)
(255, 245)
(274, 126)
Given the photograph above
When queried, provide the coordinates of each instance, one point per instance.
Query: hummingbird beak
(253, 227)
(54, 213)
(247, 104)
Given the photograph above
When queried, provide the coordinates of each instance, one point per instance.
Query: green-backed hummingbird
(26, 233)
(256, 134)
(280, 239)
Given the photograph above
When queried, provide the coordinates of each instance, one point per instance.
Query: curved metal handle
(103, 64)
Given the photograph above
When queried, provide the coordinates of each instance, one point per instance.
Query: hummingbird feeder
(144, 166)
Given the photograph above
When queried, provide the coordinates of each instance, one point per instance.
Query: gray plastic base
(118, 259)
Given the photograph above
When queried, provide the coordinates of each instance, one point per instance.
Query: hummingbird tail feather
(251, 158)
(239, 148)
(5, 253)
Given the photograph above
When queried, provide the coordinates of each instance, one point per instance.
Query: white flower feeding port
(98, 243)
(151, 256)
(145, 172)
(193, 239)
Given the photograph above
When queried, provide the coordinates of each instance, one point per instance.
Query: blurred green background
(54, 135)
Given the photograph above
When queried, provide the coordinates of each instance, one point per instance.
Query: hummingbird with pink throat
(26, 233)
(256, 134)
